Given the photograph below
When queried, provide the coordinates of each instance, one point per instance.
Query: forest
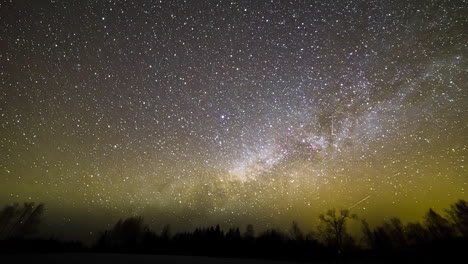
(437, 237)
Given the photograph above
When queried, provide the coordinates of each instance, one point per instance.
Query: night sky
(232, 112)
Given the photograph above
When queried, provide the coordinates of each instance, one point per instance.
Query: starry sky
(232, 112)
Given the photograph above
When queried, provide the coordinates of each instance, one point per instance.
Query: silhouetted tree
(334, 229)
(249, 233)
(382, 239)
(368, 237)
(25, 212)
(311, 236)
(296, 232)
(127, 233)
(438, 226)
(103, 241)
(272, 236)
(16, 222)
(166, 233)
(458, 213)
(233, 234)
(150, 241)
(416, 234)
(31, 224)
(395, 232)
(7, 216)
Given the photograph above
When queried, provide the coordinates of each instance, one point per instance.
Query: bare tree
(458, 213)
(334, 228)
(438, 226)
(16, 222)
(31, 223)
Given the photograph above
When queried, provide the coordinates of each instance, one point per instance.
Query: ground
(72, 258)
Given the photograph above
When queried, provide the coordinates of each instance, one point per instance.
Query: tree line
(331, 237)
(434, 227)
(436, 232)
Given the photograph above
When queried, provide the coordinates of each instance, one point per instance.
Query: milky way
(233, 112)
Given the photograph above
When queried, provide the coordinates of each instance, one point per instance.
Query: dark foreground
(90, 258)
(51, 251)
(421, 256)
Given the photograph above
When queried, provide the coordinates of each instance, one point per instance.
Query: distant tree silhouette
(416, 234)
(127, 233)
(166, 233)
(396, 233)
(382, 239)
(391, 237)
(31, 223)
(103, 241)
(311, 236)
(334, 229)
(458, 213)
(16, 222)
(150, 238)
(368, 235)
(233, 234)
(272, 237)
(438, 226)
(7, 216)
(249, 233)
(23, 215)
(296, 232)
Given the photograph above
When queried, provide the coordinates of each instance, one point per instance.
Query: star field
(233, 112)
